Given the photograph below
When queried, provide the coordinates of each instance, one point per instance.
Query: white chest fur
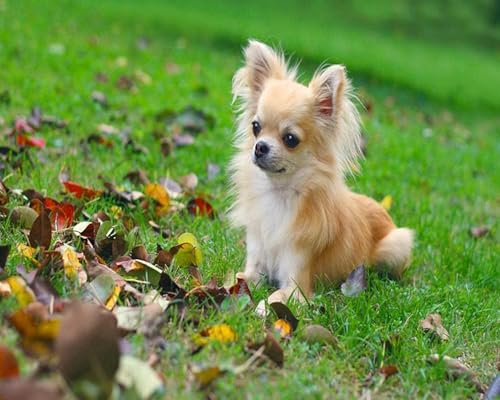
(268, 223)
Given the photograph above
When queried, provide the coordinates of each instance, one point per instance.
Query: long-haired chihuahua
(295, 145)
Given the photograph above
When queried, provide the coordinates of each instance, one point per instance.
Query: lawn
(429, 104)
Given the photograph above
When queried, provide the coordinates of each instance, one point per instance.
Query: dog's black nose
(261, 149)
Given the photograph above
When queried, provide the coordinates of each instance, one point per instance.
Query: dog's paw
(241, 275)
(283, 295)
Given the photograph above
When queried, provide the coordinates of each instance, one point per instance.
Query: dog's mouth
(269, 167)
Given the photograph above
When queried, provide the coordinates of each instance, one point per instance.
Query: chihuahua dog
(295, 145)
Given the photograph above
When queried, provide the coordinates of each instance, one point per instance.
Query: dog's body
(295, 144)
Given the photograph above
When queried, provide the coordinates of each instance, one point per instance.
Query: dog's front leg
(253, 267)
(295, 281)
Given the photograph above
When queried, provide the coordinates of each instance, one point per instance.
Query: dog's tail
(393, 253)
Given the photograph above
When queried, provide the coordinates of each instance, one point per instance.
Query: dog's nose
(261, 149)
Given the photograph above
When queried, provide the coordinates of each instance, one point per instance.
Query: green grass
(430, 145)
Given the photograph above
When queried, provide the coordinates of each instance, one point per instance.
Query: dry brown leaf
(87, 348)
(433, 323)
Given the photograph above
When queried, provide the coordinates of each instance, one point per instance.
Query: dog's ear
(328, 87)
(261, 63)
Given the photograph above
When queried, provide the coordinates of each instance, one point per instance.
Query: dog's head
(289, 127)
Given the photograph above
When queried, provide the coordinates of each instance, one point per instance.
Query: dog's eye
(256, 128)
(290, 140)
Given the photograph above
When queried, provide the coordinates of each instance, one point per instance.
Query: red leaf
(61, 214)
(199, 206)
(240, 288)
(8, 364)
(30, 141)
(79, 191)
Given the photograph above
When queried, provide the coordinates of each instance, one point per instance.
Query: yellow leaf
(158, 193)
(111, 301)
(116, 212)
(284, 328)
(37, 329)
(386, 202)
(220, 333)
(70, 261)
(27, 252)
(205, 376)
(189, 252)
(21, 290)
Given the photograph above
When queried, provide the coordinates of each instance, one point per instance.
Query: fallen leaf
(28, 252)
(220, 333)
(283, 328)
(189, 181)
(212, 171)
(434, 324)
(81, 192)
(204, 376)
(240, 288)
(41, 231)
(30, 141)
(191, 120)
(283, 312)
(4, 197)
(22, 292)
(140, 253)
(183, 140)
(100, 98)
(169, 287)
(71, 263)
(131, 319)
(99, 139)
(479, 231)
(456, 369)
(61, 214)
(261, 310)
(355, 283)
(188, 251)
(200, 207)
(137, 374)
(86, 229)
(113, 298)
(158, 193)
(23, 216)
(8, 364)
(388, 370)
(22, 126)
(272, 349)
(36, 328)
(142, 77)
(101, 289)
(4, 254)
(125, 82)
(386, 202)
(87, 349)
(29, 388)
(318, 334)
(41, 287)
(107, 129)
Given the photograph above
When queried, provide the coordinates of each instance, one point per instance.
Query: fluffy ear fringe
(261, 63)
(337, 115)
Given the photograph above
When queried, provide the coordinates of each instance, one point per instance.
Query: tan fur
(302, 221)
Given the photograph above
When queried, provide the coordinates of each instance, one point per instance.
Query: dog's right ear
(261, 63)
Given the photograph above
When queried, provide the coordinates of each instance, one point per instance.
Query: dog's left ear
(328, 87)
